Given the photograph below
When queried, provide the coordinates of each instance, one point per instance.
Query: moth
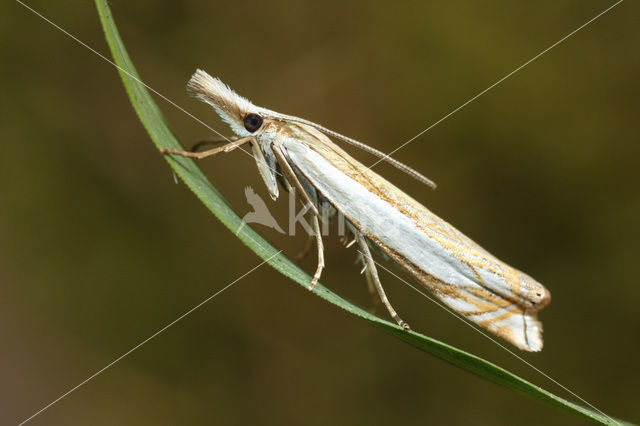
(299, 155)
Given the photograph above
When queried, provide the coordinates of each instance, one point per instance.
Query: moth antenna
(381, 155)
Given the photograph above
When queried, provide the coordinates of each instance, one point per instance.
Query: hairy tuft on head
(230, 106)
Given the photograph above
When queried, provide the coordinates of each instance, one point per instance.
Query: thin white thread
(94, 375)
(497, 82)
(464, 320)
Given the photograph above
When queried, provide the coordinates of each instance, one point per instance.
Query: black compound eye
(252, 122)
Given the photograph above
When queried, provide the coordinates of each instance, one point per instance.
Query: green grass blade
(155, 124)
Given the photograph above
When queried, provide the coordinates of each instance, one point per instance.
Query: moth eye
(252, 122)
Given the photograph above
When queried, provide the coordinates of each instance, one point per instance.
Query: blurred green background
(99, 248)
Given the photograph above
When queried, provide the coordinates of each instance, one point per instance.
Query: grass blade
(155, 124)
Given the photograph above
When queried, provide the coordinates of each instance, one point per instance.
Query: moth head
(244, 118)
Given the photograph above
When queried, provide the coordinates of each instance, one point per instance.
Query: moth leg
(320, 267)
(204, 154)
(348, 240)
(211, 141)
(371, 268)
(307, 248)
(291, 176)
(375, 297)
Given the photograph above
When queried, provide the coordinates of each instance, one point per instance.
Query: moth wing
(507, 319)
(483, 289)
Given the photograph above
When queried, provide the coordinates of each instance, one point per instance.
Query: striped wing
(463, 275)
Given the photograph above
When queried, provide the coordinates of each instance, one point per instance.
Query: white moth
(299, 154)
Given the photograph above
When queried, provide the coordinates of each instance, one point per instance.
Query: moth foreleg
(212, 141)
(373, 272)
(204, 154)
